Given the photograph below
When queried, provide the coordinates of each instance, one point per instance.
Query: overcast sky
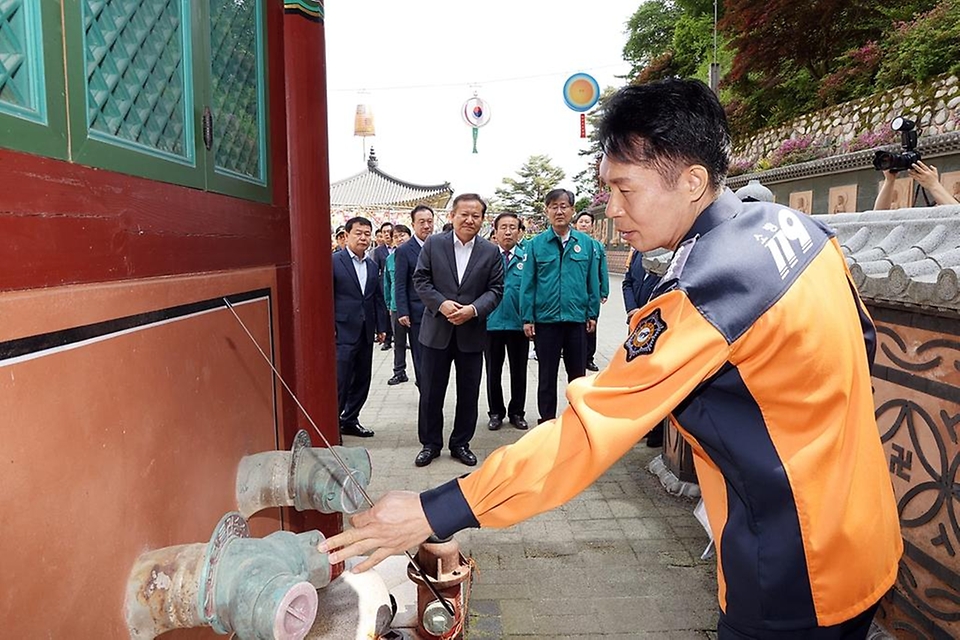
(416, 62)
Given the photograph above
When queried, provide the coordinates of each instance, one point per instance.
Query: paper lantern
(363, 122)
(581, 92)
(476, 113)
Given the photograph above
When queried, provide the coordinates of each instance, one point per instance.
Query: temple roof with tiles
(376, 188)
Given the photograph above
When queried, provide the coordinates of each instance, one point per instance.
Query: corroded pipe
(307, 478)
(262, 588)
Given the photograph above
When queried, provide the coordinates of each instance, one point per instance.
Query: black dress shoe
(592, 366)
(464, 455)
(519, 422)
(385, 347)
(397, 379)
(356, 430)
(426, 456)
(495, 423)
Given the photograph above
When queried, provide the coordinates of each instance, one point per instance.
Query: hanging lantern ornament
(476, 113)
(581, 92)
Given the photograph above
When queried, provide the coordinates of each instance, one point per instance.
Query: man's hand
(396, 523)
(591, 326)
(404, 320)
(529, 331)
(380, 337)
(603, 301)
(630, 314)
(463, 314)
(449, 307)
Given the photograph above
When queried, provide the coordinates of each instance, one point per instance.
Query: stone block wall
(934, 105)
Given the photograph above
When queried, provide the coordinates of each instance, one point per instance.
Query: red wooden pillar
(309, 359)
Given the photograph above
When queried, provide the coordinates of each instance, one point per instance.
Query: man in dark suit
(383, 249)
(459, 277)
(409, 305)
(360, 319)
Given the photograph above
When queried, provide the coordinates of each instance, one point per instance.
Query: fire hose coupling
(262, 588)
(448, 570)
(306, 477)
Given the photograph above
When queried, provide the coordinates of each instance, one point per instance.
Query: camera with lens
(896, 162)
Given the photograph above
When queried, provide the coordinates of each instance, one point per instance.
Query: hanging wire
(475, 83)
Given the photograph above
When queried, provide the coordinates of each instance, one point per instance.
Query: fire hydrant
(448, 570)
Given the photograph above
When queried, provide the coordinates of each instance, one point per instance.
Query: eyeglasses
(563, 206)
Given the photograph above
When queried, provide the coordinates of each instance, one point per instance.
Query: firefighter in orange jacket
(757, 345)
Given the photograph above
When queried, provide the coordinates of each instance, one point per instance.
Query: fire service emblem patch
(644, 338)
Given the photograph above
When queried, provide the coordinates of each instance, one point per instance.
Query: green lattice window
(237, 88)
(137, 75)
(21, 61)
(173, 90)
(32, 114)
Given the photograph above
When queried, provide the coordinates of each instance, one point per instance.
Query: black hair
(556, 194)
(357, 220)
(447, 226)
(669, 124)
(506, 214)
(386, 224)
(470, 197)
(402, 228)
(417, 209)
(585, 213)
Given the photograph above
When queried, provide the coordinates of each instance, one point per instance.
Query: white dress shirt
(462, 253)
(360, 266)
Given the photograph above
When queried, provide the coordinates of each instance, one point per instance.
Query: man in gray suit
(459, 277)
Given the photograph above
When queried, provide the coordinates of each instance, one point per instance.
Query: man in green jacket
(559, 298)
(584, 224)
(401, 234)
(505, 337)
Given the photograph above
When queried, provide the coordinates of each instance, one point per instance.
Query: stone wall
(934, 105)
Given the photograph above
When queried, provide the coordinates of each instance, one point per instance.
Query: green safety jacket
(604, 271)
(389, 277)
(560, 284)
(506, 317)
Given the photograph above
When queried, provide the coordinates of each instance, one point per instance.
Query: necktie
(506, 260)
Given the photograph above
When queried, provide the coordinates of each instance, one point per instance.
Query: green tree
(650, 33)
(525, 193)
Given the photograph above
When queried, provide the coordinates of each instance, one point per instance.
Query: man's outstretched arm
(669, 356)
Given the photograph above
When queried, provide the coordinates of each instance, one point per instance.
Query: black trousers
(591, 344)
(399, 345)
(354, 367)
(854, 629)
(435, 373)
(553, 341)
(413, 335)
(514, 345)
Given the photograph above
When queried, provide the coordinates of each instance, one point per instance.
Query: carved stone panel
(917, 395)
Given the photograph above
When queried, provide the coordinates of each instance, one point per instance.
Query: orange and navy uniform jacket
(758, 347)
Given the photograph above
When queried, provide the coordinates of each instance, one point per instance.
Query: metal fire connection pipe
(448, 570)
(256, 588)
(306, 477)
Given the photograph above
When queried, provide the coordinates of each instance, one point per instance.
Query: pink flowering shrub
(599, 198)
(796, 150)
(739, 166)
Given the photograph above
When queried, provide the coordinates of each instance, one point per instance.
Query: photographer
(928, 178)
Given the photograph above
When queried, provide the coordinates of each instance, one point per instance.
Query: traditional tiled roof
(375, 188)
(908, 258)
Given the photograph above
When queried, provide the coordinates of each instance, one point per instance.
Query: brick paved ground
(622, 560)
